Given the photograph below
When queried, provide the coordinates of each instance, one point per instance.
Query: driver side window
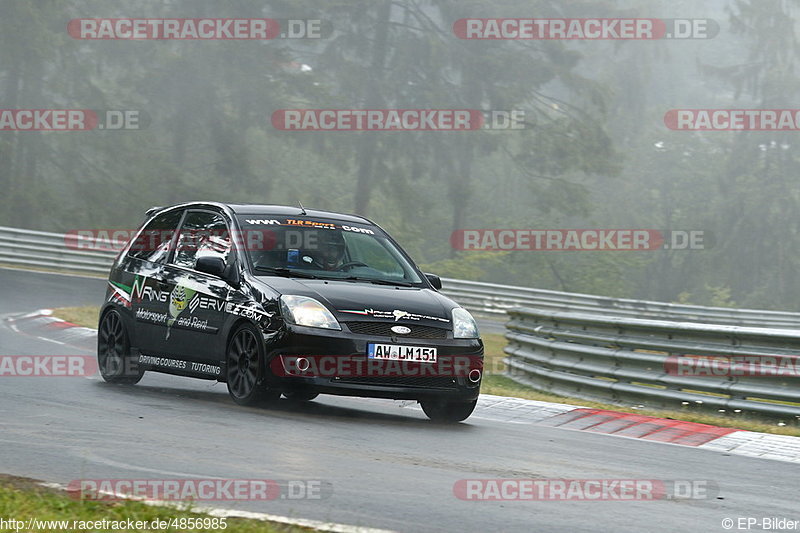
(203, 233)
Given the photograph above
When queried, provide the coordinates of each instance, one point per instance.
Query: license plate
(396, 352)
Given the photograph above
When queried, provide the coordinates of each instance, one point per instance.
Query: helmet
(332, 247)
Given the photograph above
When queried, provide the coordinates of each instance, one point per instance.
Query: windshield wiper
(287, 272)
(380, 281)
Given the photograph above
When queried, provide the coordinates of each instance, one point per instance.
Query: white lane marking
(50, 340)
(76, 332)
(32, 314)
(108, 462)
(235, 513)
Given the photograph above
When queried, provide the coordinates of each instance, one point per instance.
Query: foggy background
(595, 153)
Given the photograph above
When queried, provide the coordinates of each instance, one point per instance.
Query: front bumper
(338, 364)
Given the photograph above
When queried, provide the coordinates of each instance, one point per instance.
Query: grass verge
(86, 316)
(494, 382)
(24, 499)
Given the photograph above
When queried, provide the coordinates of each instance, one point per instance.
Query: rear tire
(448, 411)
(114, 351)
(246, 370)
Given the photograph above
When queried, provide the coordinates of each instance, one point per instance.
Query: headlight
(464, 326)
(305, 311)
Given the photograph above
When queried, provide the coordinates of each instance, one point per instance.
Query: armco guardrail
(50, 250)
(496, 299)
(643, 361)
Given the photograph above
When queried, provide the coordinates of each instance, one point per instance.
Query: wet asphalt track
(390, 468)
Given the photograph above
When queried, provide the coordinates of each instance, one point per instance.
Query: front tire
(299, 396)
(246, 371)
(448, 411)
(114, 351)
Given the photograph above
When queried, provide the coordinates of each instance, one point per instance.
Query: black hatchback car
(276, 300)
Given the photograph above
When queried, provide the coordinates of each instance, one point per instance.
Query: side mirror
(210, 264)
(435, 280)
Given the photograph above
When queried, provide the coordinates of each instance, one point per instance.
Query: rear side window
(203, 233)
(153, 243)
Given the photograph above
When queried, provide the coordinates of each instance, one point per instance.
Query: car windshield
(323, 249)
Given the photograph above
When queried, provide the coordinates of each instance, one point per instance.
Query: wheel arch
(228, 335)
(127, 320)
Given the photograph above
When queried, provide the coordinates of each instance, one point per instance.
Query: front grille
(384, 329)
(434, 382)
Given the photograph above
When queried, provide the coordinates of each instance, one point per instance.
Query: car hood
(366, 301)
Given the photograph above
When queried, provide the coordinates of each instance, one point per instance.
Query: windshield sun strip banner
(254, 220)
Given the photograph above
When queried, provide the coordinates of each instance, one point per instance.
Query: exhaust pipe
(475, 375)
(302, 364)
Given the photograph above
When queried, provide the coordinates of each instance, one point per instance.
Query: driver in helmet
(331, 250)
